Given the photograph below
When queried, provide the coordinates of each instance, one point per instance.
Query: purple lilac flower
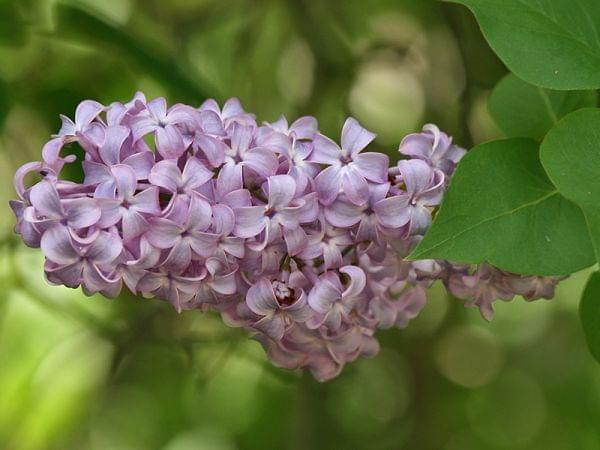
(348, 169)
(434, 147)
(278, 305)
(274, 226)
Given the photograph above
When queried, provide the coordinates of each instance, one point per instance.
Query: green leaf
(589, 313)
(550, 43)
(571, 156)
(521, 109)
(502, 208)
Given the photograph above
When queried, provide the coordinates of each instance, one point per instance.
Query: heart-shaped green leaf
(502, 208)
(571, 156)
(523, 110)
(550, 43)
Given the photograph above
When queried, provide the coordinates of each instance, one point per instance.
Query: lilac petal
(141, 163)
(210, 105)
(393, 212)
(420, 219)
(261, 160)
(45, 199)
(179, 257)
(29, 233)
(169, 142)
(325, 151)
(308, 208)
(147, 201)
(82, 212)
(96, 173)
(378, 192)
(115, 113)
(455, 153)
(163, 233)
(68, 127)
(299, 311)
(367, 230)
(333, 319)
(355, 137)
(323, 296)
(114, 138)
(158, 108)
(223, 219)
(105, 248)
(141, 126)
(106, 189)
(328, 184)
(195, 174)
(241, 138)
(134, 224)
(110, 212)
(323, 368)
(261, 298)
(86, 112)
(148, 255)
(343, 214)
(237, 198)
(355, 186)
(166, 174)
(384, 311)
(57, 246)
(200, 214)
(94, 280)
(213, 149)
(211, 123)
(69, 275)
(417, 175)
(372, 166)
(234, 246)
(125, 180)
(204, 244)
(229, 179)
(408, 306)
(281, 191)
(249, 221)
(273, 326)
(184, 114)
(51, 152)
(295, 239)
(434, 195)
(281, 125)
(358, 281)
(114, 287)
(232, 107)
(346, 346)
(304, 127)
(332, 256)
(21, 173)
(225, 284)
(417, 145)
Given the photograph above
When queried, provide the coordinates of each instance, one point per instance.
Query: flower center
(284, 294)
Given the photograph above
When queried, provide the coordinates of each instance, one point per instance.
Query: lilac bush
(276, 227)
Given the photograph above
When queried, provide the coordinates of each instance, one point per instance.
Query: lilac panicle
(282, 231)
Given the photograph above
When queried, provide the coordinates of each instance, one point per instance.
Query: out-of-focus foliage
(88, 373)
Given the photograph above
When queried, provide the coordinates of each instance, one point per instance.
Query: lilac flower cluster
(275, 226)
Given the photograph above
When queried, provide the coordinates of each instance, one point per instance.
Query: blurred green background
(88, 373)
